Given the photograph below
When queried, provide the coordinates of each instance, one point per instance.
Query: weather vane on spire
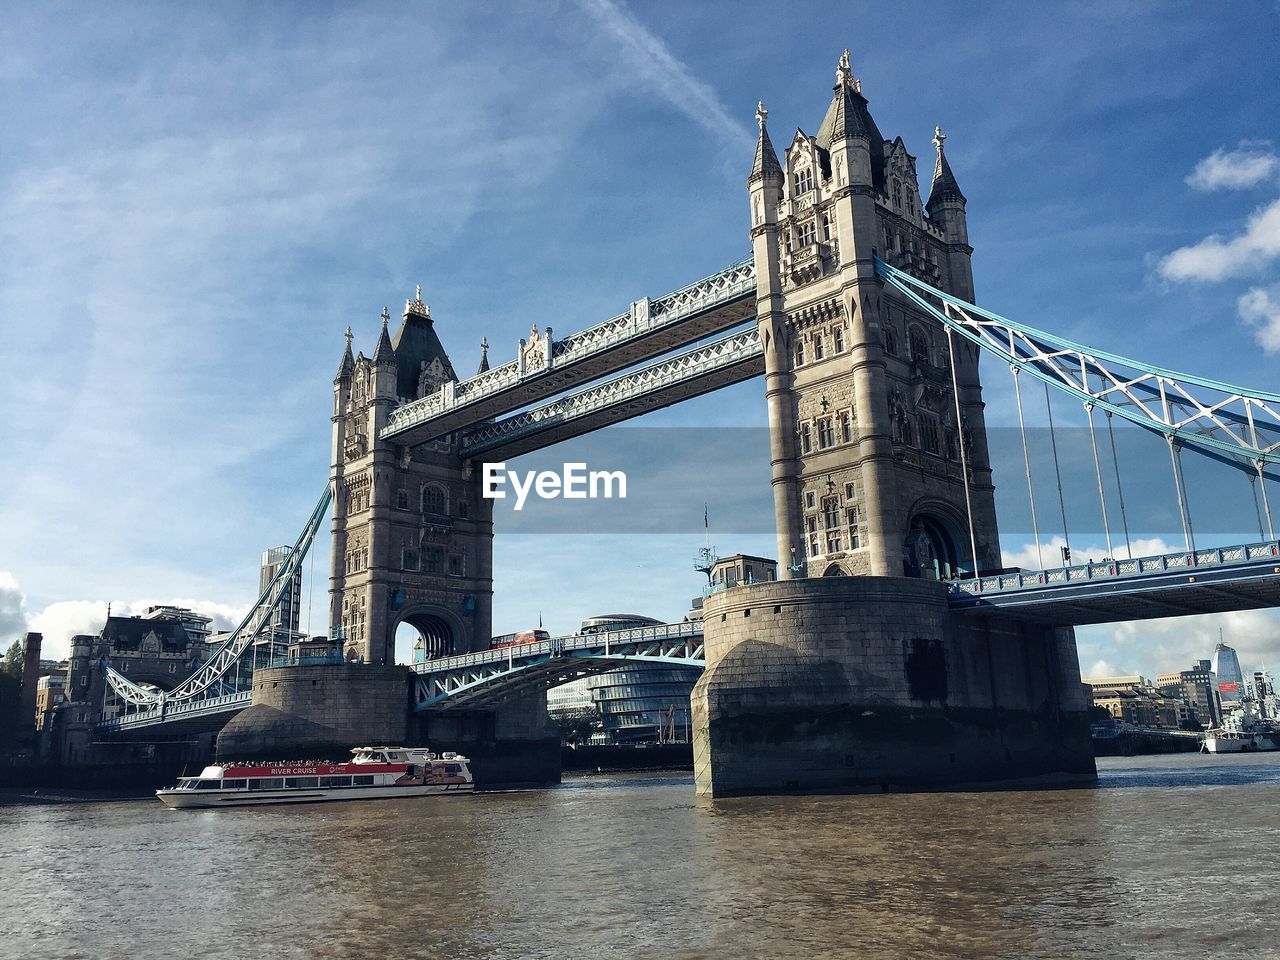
(350, 336)
(386, 317)
(939, 138)
(762, 114)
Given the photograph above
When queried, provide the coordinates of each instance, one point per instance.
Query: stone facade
(869, 453)
(870, 683)
(412, 536)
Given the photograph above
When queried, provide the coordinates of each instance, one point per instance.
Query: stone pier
(321, 711)
(847, 684)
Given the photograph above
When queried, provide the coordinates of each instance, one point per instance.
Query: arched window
(434, 501)
(891, 341)
(402, 499)
(800, 352)
(919, 344)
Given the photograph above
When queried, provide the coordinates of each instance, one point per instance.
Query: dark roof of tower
(944, 181)
(416, 343)
(766, 162)
(384, 352)
(849, 116)
(348, 362)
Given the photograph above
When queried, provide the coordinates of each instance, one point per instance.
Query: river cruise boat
(373, 773)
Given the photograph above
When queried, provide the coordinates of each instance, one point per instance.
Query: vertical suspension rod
(1257, 510)
(1102, 494)
(1057, 470)
(1262, 479)
(964, 458)
(1115, 462)
(1026, 462)
(1177, 486)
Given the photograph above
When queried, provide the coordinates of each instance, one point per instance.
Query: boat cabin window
(208, 784)
(335, 781)
(233, 784)
(187, 785)
(364, 780)
(453, 768)
(301, 781)
(266, 783)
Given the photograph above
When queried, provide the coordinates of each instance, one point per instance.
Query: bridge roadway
(1245, 576)
(652, 328)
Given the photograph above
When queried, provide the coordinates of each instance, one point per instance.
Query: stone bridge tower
(853, 673)
(412, 537)
(867, 445)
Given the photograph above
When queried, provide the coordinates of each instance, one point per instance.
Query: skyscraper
(285, 617)
(1230, 678)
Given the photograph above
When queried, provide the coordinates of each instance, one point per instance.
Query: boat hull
(204, 799)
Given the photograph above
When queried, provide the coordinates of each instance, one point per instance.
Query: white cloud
(1102, 668)
(13, 615)
(1028, 558)
(1246, 166)
(1260, 308)
(1217, 258)
(655, 64)
(61, 621)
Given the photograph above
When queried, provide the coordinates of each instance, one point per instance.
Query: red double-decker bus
(515, 639)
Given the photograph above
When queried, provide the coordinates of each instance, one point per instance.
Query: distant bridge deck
(1246, 576)
(1241, 577)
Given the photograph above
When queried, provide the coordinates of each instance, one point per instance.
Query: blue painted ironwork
(208, 682)
(1226, 422)
(476, 677)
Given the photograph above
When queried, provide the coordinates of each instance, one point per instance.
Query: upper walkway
(651, 328)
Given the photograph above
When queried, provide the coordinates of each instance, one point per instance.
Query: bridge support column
(511, 744)
(849, 684)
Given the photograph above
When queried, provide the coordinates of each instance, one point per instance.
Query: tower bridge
(895, 651)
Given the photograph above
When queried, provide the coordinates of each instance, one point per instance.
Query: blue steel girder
(1222, 421)
(474, 680)
(651, 328)
(711, 366)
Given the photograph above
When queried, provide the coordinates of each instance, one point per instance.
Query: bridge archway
(835, 570)
(930, 551)
(426, 634)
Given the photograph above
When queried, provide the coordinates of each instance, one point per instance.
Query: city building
(638, 703)
(1134, 699)
(286, 615)
(196, 624)
(50, 691)
(742, 568)
(1230, 677)
(1199, 687)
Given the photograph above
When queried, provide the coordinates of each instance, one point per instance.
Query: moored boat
(372, 773)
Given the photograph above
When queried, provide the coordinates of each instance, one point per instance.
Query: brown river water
(1168, 857)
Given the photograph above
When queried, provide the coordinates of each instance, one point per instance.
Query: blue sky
(195, 203)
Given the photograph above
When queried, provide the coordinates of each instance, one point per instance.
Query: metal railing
(1239, 554)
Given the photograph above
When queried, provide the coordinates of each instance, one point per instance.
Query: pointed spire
(384, 352)
(766, 166)
(484, 355)
(847, 116)
(944, 181)
(348, 362)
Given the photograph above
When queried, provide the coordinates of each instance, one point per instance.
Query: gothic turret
(484, 356)
(384, 352)
(348, 363)
(849, 119)
(422, 363)
(766, 166)
(946, 208)
(944, 181)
